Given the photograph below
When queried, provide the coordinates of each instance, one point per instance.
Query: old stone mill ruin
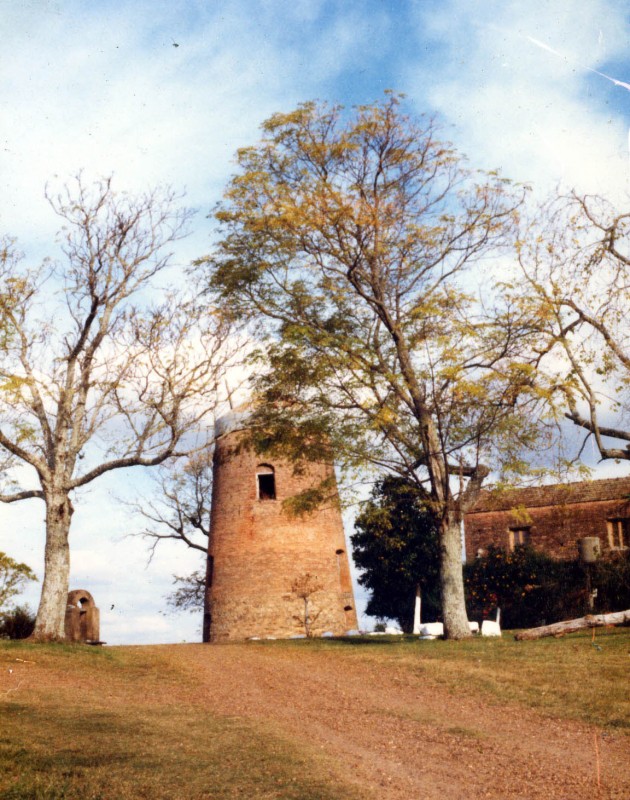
(257, 549)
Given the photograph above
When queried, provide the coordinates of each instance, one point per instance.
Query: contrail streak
(590, 69)
(623, 84)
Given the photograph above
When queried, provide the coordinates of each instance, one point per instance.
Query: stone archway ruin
(82, 618)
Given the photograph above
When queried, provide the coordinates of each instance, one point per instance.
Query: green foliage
(13, 576)
(344, 235)
(611, 578)
(396, 545)
(533, 589)
(17, 623)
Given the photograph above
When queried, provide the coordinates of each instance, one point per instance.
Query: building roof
(554, 495)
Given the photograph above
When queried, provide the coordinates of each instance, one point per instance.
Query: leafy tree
(347, 241)
(13, 576)
(396, 546)
(611, 578)
(576, 263)
(180, 511)
(96, 377)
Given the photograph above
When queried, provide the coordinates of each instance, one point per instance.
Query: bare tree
(95, 376)
(180, 511)
(181, 508)
(303, 588)
(576, 263)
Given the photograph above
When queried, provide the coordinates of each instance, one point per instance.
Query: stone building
(552, 518)
(257, 550)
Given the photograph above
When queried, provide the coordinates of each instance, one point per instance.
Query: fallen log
(571, 625)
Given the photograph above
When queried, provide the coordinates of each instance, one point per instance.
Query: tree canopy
(347, 240)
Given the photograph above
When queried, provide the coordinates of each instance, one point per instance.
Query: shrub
(533, 589)
(611, 578)
(17, 623)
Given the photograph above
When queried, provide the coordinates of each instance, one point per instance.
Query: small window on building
(266, 479)
(618, 533)
(517, 536)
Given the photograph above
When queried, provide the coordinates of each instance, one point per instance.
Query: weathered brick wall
(258, 550)
(554, 529)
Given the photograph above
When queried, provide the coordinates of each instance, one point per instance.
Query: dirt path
(399, 738)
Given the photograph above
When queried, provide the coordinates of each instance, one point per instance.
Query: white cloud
(516, 106)
(106, 90)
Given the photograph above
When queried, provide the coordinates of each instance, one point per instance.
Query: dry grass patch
(576, 677)
(107, 725)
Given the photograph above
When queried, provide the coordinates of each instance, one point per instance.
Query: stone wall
(257, 550)
(552, 518)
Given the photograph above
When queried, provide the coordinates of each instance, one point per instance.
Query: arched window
(266, 482)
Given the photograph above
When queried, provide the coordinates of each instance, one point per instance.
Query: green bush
(533, 589)
(17, 623)
(611, 578)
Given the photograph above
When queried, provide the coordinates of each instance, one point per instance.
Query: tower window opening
(266, 478)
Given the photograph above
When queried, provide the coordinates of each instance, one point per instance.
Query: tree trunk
(571, 625)
(51, 614)
(452, 582)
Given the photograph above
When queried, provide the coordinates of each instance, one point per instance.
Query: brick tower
(256, 550)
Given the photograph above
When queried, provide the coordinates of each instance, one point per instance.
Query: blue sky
(102, 87)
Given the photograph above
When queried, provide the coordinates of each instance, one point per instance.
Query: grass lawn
(580, 676)
(108, 727)
(81, 723)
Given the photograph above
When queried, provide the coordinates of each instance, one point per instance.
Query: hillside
(317, 720)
